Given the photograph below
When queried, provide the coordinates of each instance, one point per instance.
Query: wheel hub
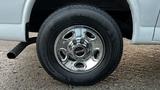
(79, 49)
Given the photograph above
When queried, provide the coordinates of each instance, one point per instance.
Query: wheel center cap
(80, 51)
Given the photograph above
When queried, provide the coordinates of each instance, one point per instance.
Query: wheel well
(118, 9)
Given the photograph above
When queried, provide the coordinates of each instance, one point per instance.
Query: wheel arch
(133, 6)
(27, 10)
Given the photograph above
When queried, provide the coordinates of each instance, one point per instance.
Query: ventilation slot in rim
(90, 35)
(68, 35)
(96, 54)
(79, 65)
(62, 54)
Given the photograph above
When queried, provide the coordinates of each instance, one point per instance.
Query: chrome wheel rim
(79, 49)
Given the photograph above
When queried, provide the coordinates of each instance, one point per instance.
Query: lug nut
(74, 42)
(82, 41)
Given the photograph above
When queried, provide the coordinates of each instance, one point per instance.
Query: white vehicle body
(145, 14)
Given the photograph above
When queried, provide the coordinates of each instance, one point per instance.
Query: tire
(80, 17)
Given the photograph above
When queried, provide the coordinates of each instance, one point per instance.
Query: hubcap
(79, 49)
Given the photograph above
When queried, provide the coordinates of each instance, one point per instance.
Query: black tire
(79, 15)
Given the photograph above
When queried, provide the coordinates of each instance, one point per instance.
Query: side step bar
(20, 47)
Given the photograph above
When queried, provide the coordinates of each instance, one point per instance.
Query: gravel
(139, 70)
